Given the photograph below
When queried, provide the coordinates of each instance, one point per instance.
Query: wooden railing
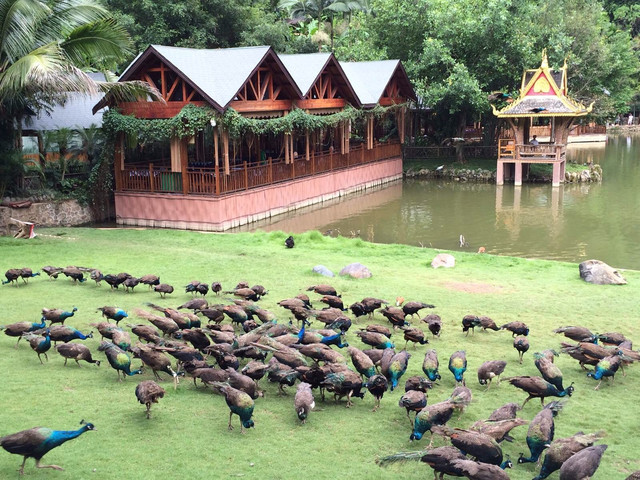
(203, 181)
(470, 151)
(545, 130)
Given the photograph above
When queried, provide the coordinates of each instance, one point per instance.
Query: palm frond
(46, 71)
(19, 21)
(97, 43)
(117, 92)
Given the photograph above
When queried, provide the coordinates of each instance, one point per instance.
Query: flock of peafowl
(228, 342)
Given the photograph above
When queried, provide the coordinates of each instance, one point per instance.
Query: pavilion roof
(305, 68)
(218, 74)
(370, 79)
(543, 93)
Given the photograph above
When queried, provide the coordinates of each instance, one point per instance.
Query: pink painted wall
(221, 213)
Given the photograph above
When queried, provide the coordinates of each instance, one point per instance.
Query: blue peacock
(39, 343)
(37, 441)
(430, 365)
(20, 328)
(239, 403)
(458, 365)
(118, 359)
(541, 431)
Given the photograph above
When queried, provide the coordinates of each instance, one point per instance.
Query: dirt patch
(473, 287)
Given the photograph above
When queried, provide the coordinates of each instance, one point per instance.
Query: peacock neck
(58, 437)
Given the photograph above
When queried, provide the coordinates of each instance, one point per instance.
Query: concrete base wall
(194, 212)
(49, 214)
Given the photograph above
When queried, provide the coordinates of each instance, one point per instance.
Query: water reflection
(573, 222)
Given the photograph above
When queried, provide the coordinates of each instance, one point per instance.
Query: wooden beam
(156, 109)
(260, 105)
(319, 103)
(173, 87)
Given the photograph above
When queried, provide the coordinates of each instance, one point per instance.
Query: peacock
(26, 273)
(490, 370)
(345, 383)
(440, 459)
(458, 365)
(521, 344)
(411, 308)
(156, 361)
(303, 401)
(430, 416)
(163, 289)
(76, 351)
(470, 322)
(63, 333)
(361, 362)
(413, 401)
(12, 275)
(415, 335)
(395, 315)
(148, 392)
(375, 339)
(396, 368)
(239, 403)
(480, 446)
(561, 449)
(498, 430)
(578, 334)
(538, 387)
(113, 313)
(488, 323)
(36, 442)
(540, 433)
(57, 315)
(606, 368)
(19, 328)
(583, 464)
(516, 328)
(430, 365)
(377, 385)
(39, 343)
(119, 360)
(434, 324)
(549, 370)
(323, 289)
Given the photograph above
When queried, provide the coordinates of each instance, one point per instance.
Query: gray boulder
(322, 270)
(443, 260)
(599, 273)
(356, 270)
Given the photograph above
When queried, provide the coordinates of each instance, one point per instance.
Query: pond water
(573, 222)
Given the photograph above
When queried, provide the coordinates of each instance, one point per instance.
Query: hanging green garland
(192, 119)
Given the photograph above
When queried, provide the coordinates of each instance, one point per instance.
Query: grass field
(187, 435)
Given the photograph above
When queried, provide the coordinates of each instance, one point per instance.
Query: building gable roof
(370, 79)
(306, 68)
(543, 93)
(217, 74)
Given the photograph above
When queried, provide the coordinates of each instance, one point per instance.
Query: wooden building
(219, 178)
(543, 95)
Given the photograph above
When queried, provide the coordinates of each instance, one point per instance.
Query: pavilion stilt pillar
(500, 173)
(518, 174)
(557, 170)
(225, 151)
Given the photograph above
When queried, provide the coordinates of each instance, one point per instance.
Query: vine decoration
(193, 119)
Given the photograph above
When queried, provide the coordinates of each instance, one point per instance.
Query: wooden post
(216, 157)
(401, 127)
(307, 146)
(185, 175)
(331, 158)
(270, 174)
(286, 149)
(152, 180)
(118, 160)
(225, 151)
(246, 177)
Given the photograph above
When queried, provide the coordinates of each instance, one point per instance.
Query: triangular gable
(319, 76)
(379, 82)
(543, 93)
(217, 75)
(268, 87)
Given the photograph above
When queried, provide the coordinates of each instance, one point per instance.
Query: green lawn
(187, 435)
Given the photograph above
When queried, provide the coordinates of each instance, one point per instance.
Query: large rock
(356, 270)
(599, 273)
(322, 270)
(443, 260)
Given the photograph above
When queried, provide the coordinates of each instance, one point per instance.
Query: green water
(573, 222)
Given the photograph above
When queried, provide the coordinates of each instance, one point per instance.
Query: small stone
(322, 270)
(356, 270)
(443, 260)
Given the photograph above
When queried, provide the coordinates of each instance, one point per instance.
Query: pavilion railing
(203, 181)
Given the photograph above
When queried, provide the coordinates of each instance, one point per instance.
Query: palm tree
(44, 47)
(321, 9)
